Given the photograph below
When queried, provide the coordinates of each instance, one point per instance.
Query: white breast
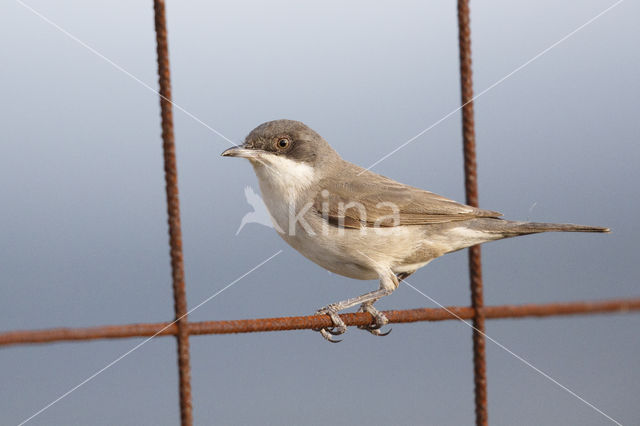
(282, 181)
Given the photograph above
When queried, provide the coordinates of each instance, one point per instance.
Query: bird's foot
(379, 318)
(338, 328)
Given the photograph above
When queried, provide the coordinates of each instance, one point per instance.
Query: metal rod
(173, 209)
(315, 321)
(471, 188)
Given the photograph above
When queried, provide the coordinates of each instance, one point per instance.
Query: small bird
(359, 224)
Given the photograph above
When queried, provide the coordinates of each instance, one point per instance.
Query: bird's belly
(305, 233)
(358, 254)
(328, 252)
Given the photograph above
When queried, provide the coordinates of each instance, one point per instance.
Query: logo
(385, 214)
(259, 215)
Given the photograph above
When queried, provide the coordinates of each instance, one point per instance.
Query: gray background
(83, 232)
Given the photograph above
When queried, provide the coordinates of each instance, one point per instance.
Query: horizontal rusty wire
(314, 321)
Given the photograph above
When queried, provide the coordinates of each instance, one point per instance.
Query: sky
(84, 235)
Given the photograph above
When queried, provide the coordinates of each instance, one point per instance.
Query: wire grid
(182, 329)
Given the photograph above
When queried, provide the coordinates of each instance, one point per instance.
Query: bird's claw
(380, 320)
(338, 328)
(377, 332)
(333, 331)
(370, 327)
(327, 336)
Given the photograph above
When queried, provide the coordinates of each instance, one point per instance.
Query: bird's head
(274, 142)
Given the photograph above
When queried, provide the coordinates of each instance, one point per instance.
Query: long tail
(508, 228)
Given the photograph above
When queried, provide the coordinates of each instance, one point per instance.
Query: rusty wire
(182, 329)
(314, 321)
(471, 189)
(173, 210)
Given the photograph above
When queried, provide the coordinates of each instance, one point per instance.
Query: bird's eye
(283, 143)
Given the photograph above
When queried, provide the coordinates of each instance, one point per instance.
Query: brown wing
(362, 198)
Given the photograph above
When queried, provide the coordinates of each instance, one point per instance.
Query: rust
(173, 210)
(471, 189)
(182, 329)
(315, 321)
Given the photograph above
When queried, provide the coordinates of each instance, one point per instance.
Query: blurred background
(83, 235)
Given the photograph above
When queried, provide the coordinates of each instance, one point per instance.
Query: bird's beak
(239, 151)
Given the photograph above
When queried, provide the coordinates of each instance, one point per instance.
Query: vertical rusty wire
(173, 209)
(471, 188)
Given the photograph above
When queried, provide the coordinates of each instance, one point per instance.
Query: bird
(359, 224)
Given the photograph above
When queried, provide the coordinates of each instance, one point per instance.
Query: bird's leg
(379, 317)
(388, 283)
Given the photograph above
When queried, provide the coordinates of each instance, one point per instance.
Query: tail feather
(535, 227)
(510, 228)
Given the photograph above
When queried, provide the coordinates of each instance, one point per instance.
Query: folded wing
(366, 199)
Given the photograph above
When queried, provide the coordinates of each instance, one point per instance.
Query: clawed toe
(327, 336)
(379, 318)
(333, 331)
(374, 326)
(339, 327)
(377, 332)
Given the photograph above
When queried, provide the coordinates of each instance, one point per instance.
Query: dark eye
(283, 143)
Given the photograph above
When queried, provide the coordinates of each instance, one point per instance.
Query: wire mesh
(314, 321)
(173, 213)
(471, 190)
(182, 329)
